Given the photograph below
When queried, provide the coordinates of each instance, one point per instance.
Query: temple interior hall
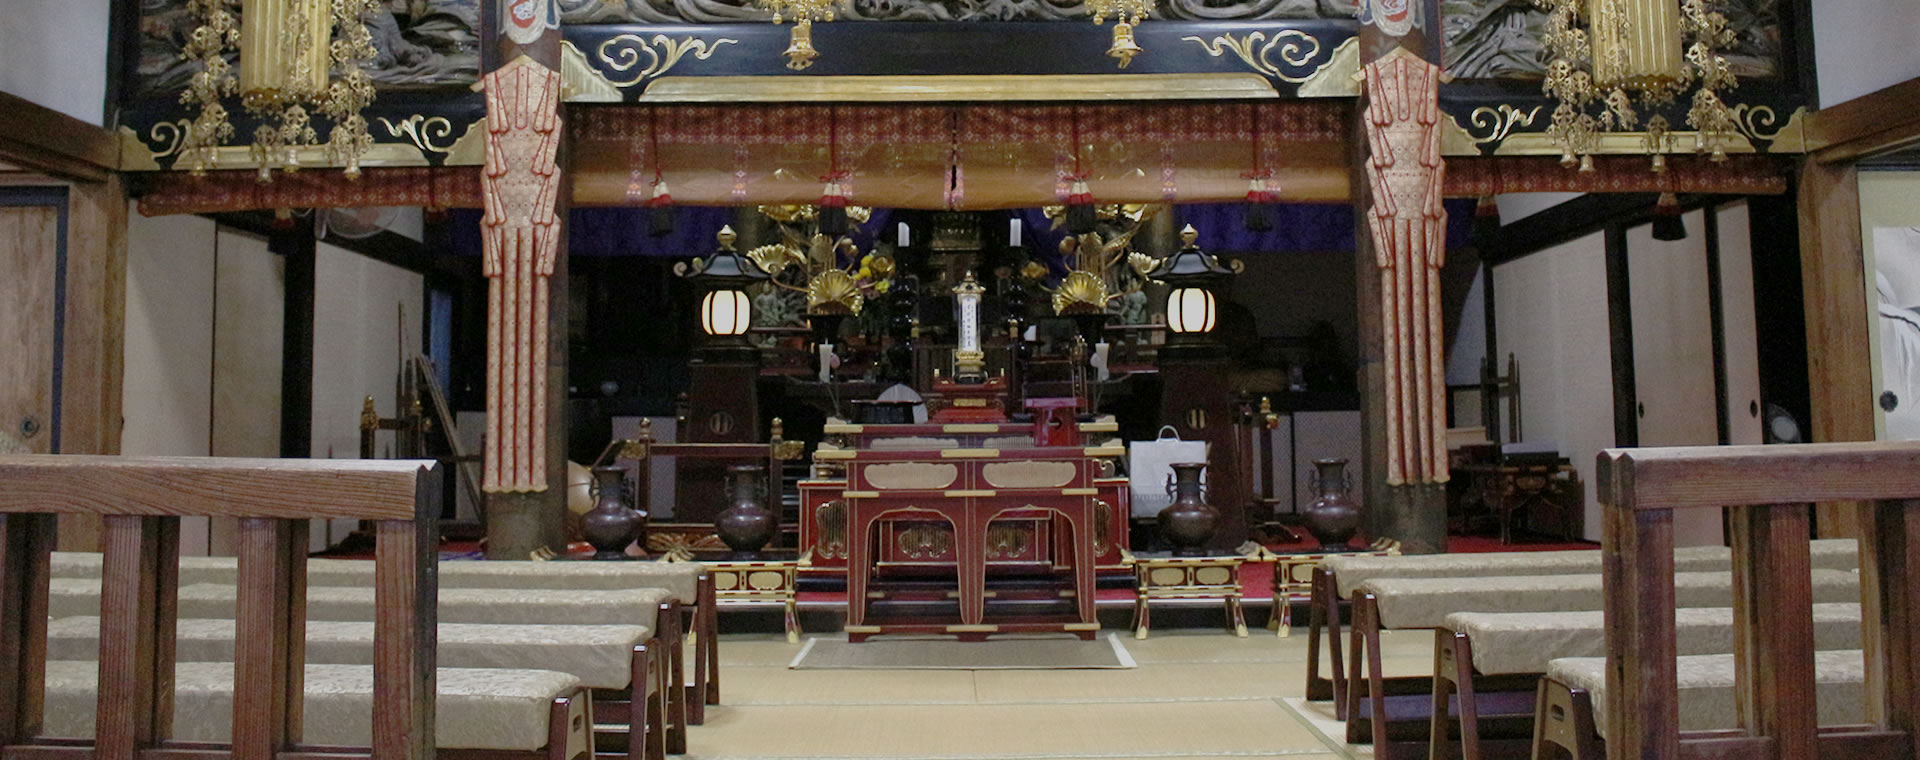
(959, 379)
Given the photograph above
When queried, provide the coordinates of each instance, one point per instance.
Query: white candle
(1013, 232)
(903, 235)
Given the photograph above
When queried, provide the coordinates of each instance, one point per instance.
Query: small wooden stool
(1164, 576)
(737, 582)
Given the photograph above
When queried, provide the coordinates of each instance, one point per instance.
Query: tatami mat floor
(1196, 694)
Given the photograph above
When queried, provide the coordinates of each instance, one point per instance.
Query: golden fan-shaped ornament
(833, 292)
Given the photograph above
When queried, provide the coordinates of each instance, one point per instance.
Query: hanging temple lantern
(1632, 56)
(287, 49)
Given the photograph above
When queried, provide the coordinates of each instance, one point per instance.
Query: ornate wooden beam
(525, 264)
(1400, 248)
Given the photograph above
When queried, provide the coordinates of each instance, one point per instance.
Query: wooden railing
(141, 501)
(1768, 487)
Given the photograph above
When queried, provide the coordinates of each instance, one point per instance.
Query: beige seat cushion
(601, 656)
(1426, 602)
(682, 578)
(1706, 688)
(1523, 642)
(1349, 572)
(476, 709)
(71, 597)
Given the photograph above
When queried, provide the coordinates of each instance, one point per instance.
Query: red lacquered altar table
(970, 489)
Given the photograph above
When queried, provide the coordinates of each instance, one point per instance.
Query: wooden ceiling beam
(1877, 122)
(40, 138)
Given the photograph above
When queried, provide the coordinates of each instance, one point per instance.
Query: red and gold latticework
(1408, 225)
(520, 234)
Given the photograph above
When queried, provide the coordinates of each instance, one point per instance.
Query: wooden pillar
(1400, 249)
(1833, 285)
(525, 263)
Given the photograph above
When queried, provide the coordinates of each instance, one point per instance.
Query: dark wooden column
(1399, 249)
(524, 242)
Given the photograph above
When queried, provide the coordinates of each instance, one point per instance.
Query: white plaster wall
(1742, 337)
(54, 53)
(1517, 206)
(1673, 354)
(1864, 45)
(356, 350)
(167, 394)
(1551, 314)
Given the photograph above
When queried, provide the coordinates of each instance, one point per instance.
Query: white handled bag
(1150, 468)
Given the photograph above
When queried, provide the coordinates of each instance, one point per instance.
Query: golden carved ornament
(625, 53)
(1295, 49)
(1080, 293)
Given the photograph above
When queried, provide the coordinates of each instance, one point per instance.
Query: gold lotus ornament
(1080, 293)
(833, 291)
(777, 257)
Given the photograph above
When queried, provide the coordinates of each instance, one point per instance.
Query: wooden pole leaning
(141, 501)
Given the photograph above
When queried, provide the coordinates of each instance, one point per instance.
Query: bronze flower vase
(1188, 523)
(1333, 517)
(747, 525)
(611, 525)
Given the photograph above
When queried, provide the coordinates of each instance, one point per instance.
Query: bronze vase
(747, 525)
(611, 525)
(1333, 516)
(1188, 523)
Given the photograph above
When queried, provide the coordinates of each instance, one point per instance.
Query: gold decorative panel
(1213, 576)
(917, 475)
(1029, 474)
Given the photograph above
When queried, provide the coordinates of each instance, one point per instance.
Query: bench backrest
(1768, 488)
(141, 501)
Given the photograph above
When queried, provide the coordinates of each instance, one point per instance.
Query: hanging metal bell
(1124, 48)
(800, 52)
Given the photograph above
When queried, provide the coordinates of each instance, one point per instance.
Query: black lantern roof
(1190, 265)
(725, 268)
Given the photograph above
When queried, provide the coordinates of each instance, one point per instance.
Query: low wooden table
(1161, 575)
(1293, 573)
(755, 581)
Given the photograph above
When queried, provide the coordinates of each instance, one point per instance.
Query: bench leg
(710, 607)
(1366, 644)
(1453, 663)
(1235, 618)
(677, 679)
(1142, 617)
(637, 712)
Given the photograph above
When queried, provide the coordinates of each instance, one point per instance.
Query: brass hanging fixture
(1126, 15)
(287, 50)
(213, 81)
(800, 51)
(1632, 56)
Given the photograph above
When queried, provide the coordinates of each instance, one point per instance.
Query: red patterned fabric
(1738, 175)
(183, 193)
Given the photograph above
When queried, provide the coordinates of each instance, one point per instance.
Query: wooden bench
(652, 608)
(1573, 698)
(1472, 646)
(614, 661)
(691, 585)
(1768, 488)
(140, 502)
(1424, 603)
(1334, 580)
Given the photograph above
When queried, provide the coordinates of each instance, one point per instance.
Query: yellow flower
(881, 286)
